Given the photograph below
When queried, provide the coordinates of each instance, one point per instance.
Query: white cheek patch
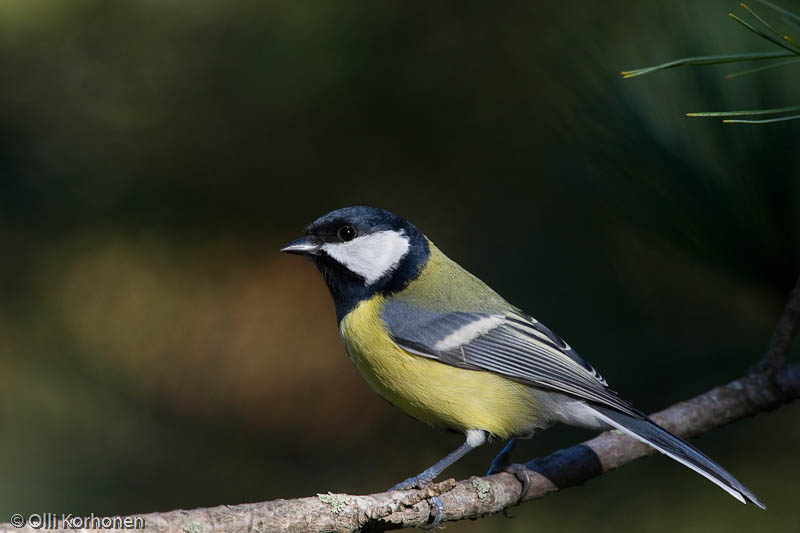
(371, 256)
(469, 332)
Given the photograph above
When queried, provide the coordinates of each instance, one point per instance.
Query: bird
(443, 347)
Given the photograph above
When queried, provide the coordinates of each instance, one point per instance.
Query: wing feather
(512, 345)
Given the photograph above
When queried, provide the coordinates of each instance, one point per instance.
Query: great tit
(443, 347)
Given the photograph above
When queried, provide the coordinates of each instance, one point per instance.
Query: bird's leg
(502, 463)
(503, 458)
(475, 438)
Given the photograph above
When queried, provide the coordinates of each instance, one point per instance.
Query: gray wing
(512, 344)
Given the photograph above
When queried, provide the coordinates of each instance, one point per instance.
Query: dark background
(158, 352)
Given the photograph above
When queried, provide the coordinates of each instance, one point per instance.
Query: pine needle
(763, 35)
(777, 64)
(768, 121)
(763, 22)
(773, 36)
(706, 60)
(780, 10)
(744, 113)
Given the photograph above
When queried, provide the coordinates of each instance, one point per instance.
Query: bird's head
(361, 251)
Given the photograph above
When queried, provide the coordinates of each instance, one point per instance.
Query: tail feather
(647, 431)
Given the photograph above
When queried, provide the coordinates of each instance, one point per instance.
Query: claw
(502, 463)
(521, 473)
(475, 438)
(437, 508)
(436, 505)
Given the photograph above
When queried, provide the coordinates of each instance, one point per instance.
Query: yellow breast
(432, 392)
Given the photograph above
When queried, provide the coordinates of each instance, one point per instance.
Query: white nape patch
(476, 437)
(468, 332)
(371, 256)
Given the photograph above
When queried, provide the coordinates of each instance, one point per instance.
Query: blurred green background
(157, 352)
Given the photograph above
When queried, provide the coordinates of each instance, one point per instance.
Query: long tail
(662, 440)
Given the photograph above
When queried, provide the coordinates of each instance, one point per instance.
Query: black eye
(346, 233)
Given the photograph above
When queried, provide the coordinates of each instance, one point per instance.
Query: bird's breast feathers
(433, 392)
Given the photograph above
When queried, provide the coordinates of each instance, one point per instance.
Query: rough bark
(778, 352)
(770, 384)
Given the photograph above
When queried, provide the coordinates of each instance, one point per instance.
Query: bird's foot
(519, 471)
(436, 505)
(415, 482)
(437, 510)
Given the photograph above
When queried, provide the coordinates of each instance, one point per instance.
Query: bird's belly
(433, 392)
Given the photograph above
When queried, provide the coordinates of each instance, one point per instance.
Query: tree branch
(778, 350)
(769, 385)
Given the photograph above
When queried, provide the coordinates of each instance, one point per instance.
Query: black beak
(301, 247)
